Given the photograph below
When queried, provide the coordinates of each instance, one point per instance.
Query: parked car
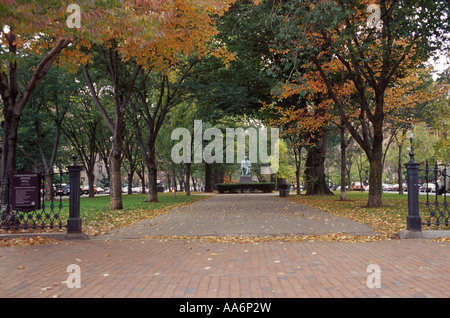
(136, 189)
(86, 190)
(357, 186)
(66, 190)
(59, 190)
(430, 187)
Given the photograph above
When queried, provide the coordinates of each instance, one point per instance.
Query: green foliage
(242, 86)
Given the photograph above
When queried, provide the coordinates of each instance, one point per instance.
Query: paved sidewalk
(183, 268)
(250, 215)
(127, 264)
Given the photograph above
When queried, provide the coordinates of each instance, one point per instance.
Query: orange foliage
(408, 92)
(155, 32)
(308, 121)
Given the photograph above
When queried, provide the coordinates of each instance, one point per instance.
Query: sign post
(25, 195)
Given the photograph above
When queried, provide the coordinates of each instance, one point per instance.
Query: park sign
(25, 195)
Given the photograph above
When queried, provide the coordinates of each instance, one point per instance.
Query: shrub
(265, 187)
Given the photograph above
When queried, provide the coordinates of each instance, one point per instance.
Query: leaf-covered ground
(98, 219)
(387, 220)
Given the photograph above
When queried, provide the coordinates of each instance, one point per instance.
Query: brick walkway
(200, 269)
(182, 268)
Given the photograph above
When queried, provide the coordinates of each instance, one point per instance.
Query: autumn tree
(121, 49)
(373, 57)
(187, 39)
(123, 83)
(409, 102)
(301, 107)
(45, 29)
(21, 23)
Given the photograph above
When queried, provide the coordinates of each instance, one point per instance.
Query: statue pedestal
(245, 179)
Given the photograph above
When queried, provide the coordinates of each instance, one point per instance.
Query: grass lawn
(97, 218)
(387, 220)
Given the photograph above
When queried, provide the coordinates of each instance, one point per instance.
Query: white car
(136, 189)
(430, 187)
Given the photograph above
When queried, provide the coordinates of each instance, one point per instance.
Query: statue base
(245, 179)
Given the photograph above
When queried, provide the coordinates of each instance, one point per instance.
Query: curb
(429, 234)
(57, 236)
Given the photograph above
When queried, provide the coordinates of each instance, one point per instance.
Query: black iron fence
(436, 187)
(30, 202)
(433, 209)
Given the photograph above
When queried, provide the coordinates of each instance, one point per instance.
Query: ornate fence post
(74, 221)
(414, 222)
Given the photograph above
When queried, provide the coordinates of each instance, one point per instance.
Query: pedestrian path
(248, 215)
(131, 263)
(198, 269)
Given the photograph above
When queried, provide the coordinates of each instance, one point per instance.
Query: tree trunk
(116, 181)
(208, 178)
(130, 183)
(181, 183)
(315, 170)
(91, 179)
(142, 183)
(8, 165)
(218, 174)
(298, 160)
(376, 172)
(375, 192)
(343, 155)
(48, 184)
(152, 175)
(399, 169)
(297, 178)
(188, 178)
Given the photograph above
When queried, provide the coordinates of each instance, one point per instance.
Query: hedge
(265, 187)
